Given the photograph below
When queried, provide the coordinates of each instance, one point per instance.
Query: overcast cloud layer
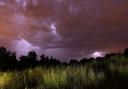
(64, 28)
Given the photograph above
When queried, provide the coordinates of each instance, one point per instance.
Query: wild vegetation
(110, 72)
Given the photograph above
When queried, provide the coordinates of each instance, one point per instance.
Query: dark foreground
(94, 75)
(110, 72)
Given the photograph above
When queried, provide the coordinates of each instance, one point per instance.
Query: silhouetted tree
(54, 61)
(108, 56)
(126, 52)
(42, 57)
(7, 59)
(44, 60)
(83, 61)
(100, 58)
(13, 61)
(73, 62)
(29, 61)
(49, 61)
(32, 56)
(24, 62)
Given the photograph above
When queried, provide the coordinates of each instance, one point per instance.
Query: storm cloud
(64, 28)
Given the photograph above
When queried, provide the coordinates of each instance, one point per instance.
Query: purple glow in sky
(64, 28)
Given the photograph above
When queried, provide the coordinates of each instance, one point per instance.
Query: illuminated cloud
(72, 27)
(23, 47)
(97, 54)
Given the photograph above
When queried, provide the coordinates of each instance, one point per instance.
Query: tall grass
(51, 78)
(89, 76)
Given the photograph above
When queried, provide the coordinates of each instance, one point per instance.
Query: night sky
(64, 28)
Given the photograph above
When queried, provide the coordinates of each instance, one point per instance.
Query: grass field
(112, 74)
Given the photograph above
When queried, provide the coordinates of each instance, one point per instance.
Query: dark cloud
(64, 28)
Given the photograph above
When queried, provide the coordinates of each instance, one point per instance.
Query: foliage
(110, 72)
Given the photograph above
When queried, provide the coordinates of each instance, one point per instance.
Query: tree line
(8, 60)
